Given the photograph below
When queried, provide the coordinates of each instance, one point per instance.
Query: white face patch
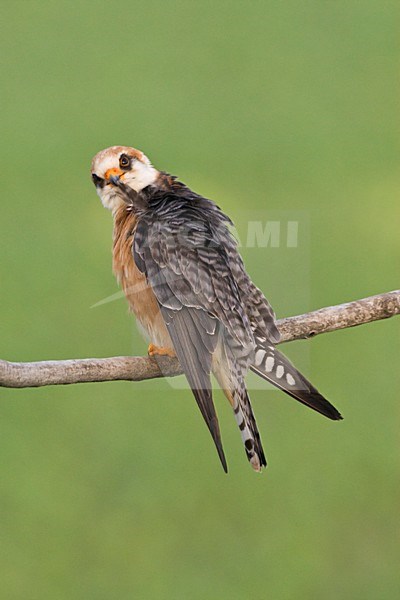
(110, 197)
(141, 174)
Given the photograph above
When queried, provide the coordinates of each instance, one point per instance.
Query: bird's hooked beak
(113, 176)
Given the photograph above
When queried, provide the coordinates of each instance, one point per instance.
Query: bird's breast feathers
(139, 294)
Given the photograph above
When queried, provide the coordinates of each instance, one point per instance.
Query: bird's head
(117, 172)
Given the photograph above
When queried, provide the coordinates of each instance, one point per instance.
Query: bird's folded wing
(194, 347)
(186, 263)
(186, 268)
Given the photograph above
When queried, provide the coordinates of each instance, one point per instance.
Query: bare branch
(138, 368)
(342, 316)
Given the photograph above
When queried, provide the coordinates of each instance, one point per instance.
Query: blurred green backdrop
(114, 490)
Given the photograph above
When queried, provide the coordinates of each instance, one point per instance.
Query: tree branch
(138, 368)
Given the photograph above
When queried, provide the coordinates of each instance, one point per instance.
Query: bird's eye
(124, 161)
(98, 181)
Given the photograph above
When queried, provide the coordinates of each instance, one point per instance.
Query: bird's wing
(258, 309)
(194, 341)
(185, 261)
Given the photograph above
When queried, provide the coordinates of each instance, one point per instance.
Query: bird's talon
(157, 351)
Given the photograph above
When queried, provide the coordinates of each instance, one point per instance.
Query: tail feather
(248, 427)
(274, 367)
(230, 376)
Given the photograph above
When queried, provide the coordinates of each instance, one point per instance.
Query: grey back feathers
(184, 247)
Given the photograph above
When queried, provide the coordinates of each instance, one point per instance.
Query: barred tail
(230, 378)
(273, 366)
(248, 427)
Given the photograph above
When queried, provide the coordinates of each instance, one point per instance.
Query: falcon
(178, 264)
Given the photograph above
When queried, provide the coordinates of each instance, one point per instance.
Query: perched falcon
(179, 266)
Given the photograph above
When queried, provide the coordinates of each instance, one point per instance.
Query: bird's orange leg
(157, 351)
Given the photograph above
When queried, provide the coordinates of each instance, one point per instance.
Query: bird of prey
(180, 269)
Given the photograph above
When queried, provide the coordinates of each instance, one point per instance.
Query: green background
(276, 108)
